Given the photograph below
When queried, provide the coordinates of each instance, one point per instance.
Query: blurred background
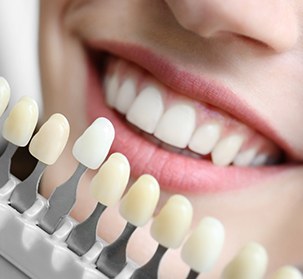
(19, 47)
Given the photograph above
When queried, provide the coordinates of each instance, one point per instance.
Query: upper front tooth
(226, 150)
(205, 138)
(147, 109)
(126, 95)
(177, 125)
(111, 86)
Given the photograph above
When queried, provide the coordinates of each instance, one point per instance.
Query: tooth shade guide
(5, 93)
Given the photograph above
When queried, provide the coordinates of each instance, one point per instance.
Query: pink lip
(196, 87)
(174, 172)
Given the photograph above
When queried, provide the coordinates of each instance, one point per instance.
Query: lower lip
(174, 172)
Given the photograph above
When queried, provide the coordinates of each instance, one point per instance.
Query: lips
(174, 171)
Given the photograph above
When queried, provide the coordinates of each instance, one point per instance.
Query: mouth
(193, 137)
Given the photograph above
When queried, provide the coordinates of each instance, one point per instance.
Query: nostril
(273, 24)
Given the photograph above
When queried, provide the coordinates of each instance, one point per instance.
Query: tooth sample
(203, 247)
(108, 186)
(177, 124)
(137, 207)
(205, 138)
(287, 272)
(139, 203)
(147, 109)
(92, 147)
(17, 130)
(46, 146)
(49, 142)
(126, 95)
(168, 229)
(244, 158)
(226, 150)
(250, 263)
(21, 122)
(111, 180)
(172, 223)
(5, 94)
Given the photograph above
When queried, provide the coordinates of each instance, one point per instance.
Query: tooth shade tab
(92, 147)
(250, 263)
(5, 93)
(287, 272)
(49, 142)
(147, 109)
(139, 203)
(177, 125)
(20, 124)
(111, 180)
(203, 247)
(170, 226)
(205, 138)
(226, 150)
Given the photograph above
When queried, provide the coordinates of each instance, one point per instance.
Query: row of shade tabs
(202, 247)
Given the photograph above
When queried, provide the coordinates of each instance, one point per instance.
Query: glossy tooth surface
(226, 150)
(92, 147)
(287, 272)
(202, 249)
(5, 93)
(244, 158)
(139, 203)
(147, 109)
(205, 138)
(50, 140)
(126, 95)
(250, 263)
(20, 124)
(111, 180)
(111, 84)
(173, 221)
(176, 126)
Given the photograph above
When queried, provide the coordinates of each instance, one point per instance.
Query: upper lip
(196, 87)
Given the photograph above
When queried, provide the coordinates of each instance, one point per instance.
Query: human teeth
(50, 140)
(205, 138)
(245, 158)
(21, 122)
(126, 95)
(177, 124)
(203, 247)
(92, 147)
(172, 223)
(5, 93)
(111, 180)
(287, 272)
(250, 263)
(147, 109)
(139, 203)
(111, 84)
(260, 160)
(226, 150)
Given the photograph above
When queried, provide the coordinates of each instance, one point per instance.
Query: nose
(271, 22)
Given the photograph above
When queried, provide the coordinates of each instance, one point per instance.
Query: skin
(255, 49)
